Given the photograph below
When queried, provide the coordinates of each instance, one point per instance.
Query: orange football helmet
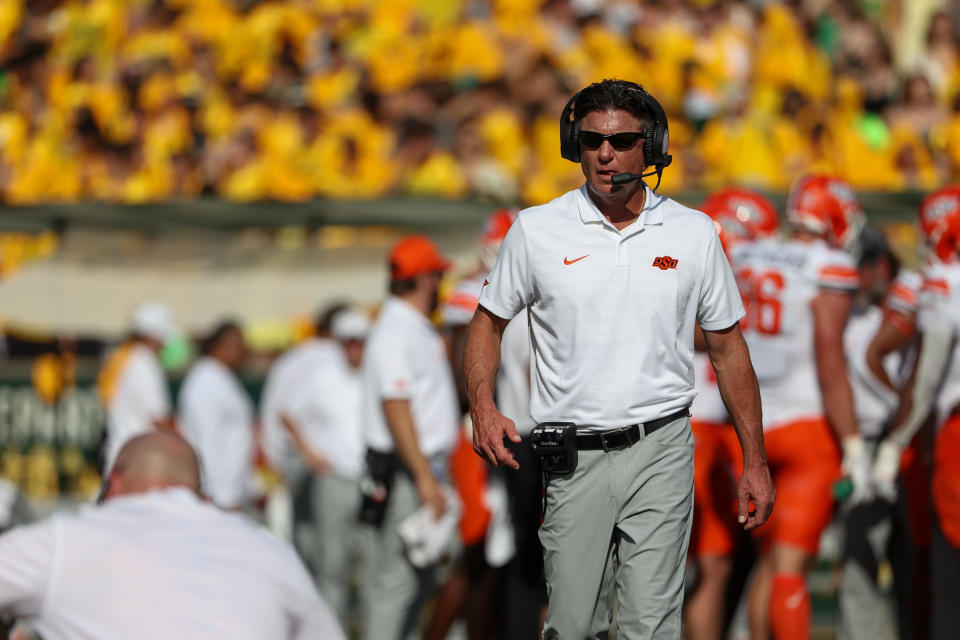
(938, 209)
(753, 210)
(828, 207)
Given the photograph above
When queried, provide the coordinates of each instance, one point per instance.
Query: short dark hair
(400, 287)
(874, 249)
(210, 342)
(613, 94)
(325, 318)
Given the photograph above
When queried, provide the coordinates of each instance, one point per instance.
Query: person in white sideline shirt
(216, 417)
(323, 419)
(410, 418)
(283, 379)
(288, 507)
(156, 561)
(131, 383)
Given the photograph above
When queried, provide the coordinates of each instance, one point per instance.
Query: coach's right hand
(490, 427)
(756, 486)
(431, 494)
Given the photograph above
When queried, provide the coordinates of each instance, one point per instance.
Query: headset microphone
(624, 178)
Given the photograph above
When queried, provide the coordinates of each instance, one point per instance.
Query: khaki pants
(396, 590)
(620, 523)
(340, 540)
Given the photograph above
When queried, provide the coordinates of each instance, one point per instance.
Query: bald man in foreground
(157, 561)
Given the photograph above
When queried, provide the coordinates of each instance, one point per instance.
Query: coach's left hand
(756, 486)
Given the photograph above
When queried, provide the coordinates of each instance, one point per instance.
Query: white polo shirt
(612, 313)
(141, 399)
(216, 417)
(156, 566)
(327, 406)
(283, 380)
(406, 359)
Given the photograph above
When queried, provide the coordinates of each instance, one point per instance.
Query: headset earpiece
(656, 139)
(570, 132)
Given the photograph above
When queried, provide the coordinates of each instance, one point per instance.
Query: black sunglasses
(620, 141)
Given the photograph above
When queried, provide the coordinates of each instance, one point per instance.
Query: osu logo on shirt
(665, 262)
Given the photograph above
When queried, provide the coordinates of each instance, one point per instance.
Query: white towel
(426, 538)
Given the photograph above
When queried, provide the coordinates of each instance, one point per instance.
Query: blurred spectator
(324, 422)
(131, 383)
(216, 417)
(283, 100)
(410, 422)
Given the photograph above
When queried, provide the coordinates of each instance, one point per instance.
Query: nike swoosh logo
(568, 261)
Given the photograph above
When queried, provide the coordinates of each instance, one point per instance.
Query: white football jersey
(939, 308)
(873, 402)
(459, 307)
(904, 292)
(779, 280)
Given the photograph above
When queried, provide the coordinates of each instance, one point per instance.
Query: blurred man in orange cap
(410, 417)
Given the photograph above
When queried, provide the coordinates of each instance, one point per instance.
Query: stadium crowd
(147, 101)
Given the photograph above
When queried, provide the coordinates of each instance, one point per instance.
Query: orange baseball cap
(415, 255)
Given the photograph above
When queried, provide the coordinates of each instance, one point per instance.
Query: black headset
(656, 137)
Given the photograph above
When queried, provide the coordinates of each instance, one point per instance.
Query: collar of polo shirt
(652, 212)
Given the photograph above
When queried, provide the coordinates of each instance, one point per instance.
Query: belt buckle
(603, 439)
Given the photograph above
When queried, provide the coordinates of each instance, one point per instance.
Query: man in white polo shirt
(157, 561)
(411, 417)
(216, 417)
(323, 419)
(288, 508)
(615, 278)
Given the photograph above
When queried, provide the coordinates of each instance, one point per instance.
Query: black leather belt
(625, 436)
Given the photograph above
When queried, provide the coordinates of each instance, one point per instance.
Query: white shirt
(781, 279)
(612, 313)
(141, 399)
(873, 403)
(282, 380)
(216, 417)
(904, 292)
(459, 307)
(513, 379)
(939, 308)
(405, 359)
(327, 407)
(157, 566)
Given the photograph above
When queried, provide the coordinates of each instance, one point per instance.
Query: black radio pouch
(556, 444)
(375, 486)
